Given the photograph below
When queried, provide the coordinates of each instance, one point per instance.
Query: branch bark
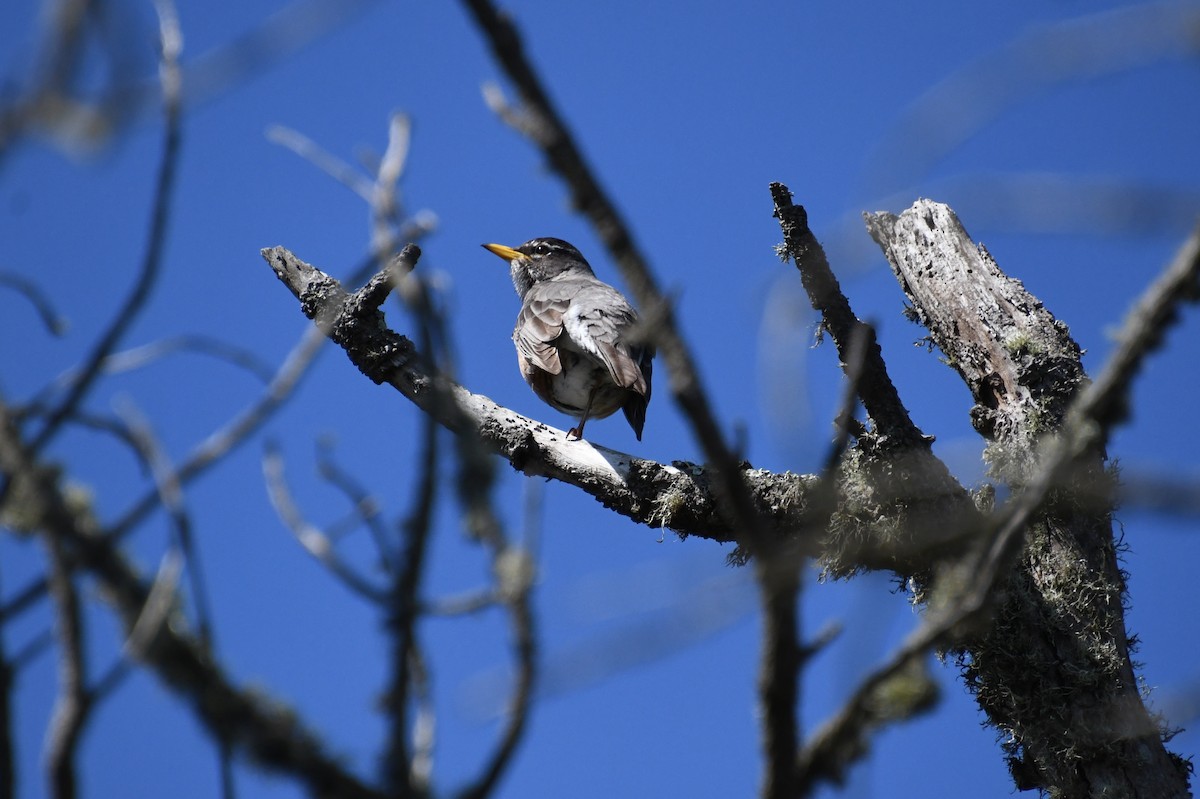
(1053, 669)
(678, 496)
(883, 507)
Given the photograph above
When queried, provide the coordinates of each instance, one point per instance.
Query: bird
(575, 336)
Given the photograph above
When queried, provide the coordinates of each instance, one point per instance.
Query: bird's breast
(569, 390)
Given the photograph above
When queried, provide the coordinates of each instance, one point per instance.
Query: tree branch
(72, 705)
(1050, 561)
(550, 133)
(271, 735)
(170, 43)
(892, 472)
(679, 497)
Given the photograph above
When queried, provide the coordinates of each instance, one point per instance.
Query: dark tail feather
(635, 413)
(635, 406)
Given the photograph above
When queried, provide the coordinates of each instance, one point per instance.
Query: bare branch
(424, 735)
(679, 497)
(779, 671)
(463, 604)
(366, 509)
(171, 42)
(210, 452)
(34, 647)
(330, 164)
(62, 106)
(400, 766)
(54, 323)
(876, 390)
(1024, 370)
(1159, 491)
(238, 430)
(280, 35)
(143, 356)
(515, 574)
(385, 204)
(1106, 402)
(166, 481)
(72, 705)
(893, 464)
(898, 691)
(268, 733)
(308, 535)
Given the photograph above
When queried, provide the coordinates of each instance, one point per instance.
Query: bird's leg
(577, 432)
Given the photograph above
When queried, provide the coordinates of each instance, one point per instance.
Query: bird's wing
(539, 324)
(595, 321)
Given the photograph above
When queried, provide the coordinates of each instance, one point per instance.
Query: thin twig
(384, 197)
(237, 430)
(312, 538)
(170, 491)
(34, 647)
(140, 357)
(366, 510)
(1106, 401)
(54, 322)
(102, 424)
(399, 764)
(147, 354)
(341, 171)
(524, 643)
(274, 739)
(465, 604)
(171, 43)
(159, 604)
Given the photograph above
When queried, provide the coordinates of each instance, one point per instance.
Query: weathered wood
(1053, 670)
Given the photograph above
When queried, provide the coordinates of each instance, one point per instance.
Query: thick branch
(892, 474)
(1052, 670)
(1019, 362)
(875, 388)
(678, 497)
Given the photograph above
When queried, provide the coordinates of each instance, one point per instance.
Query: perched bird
(574, 337)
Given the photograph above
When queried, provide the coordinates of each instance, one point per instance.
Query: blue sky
(686, 112)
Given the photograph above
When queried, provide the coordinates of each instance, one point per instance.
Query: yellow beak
(507, 253)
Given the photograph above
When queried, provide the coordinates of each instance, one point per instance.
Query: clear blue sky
(686, 111)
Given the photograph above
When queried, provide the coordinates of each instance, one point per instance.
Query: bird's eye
(541, 249)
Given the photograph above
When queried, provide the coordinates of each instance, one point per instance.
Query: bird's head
(539, 259)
